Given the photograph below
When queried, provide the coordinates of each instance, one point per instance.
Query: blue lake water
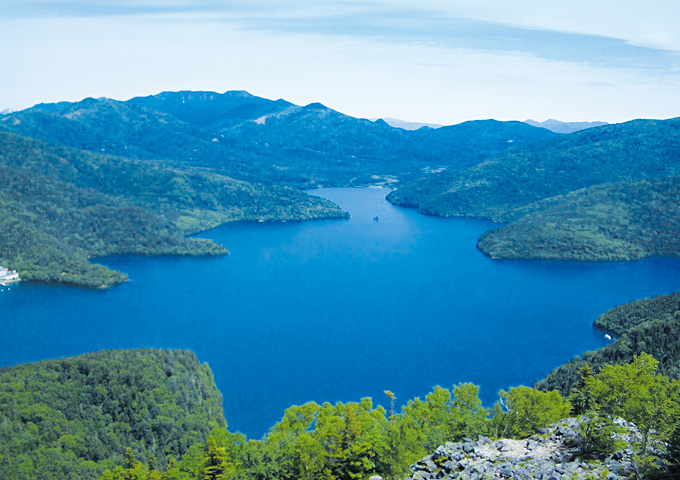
(338, 310)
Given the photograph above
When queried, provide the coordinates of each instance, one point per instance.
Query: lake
(338, 310)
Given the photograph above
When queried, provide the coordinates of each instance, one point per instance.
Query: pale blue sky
(435, 61)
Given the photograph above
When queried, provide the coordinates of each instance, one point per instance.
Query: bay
(337, 310)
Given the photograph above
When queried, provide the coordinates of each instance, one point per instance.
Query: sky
(436, 61)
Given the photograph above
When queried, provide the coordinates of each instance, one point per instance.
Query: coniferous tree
(216, 468)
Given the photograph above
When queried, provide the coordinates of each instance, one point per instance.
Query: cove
(339, 310)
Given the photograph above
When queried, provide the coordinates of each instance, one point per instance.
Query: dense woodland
(496, 188)
(541, 189)
(650, 325)
(62, 207)
(75, 417)
(614, 221)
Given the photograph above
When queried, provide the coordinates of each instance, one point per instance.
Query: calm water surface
(338, 310)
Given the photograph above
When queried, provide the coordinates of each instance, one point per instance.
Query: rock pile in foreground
(553, 454)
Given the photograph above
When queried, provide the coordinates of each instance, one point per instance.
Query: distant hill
(498, 188)
(213, 110)
(265, 141)
(564, 127)
(61, 207)
(75, 417)
(395, 122)
(615, 221)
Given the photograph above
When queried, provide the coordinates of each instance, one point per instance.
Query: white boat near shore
(8, 277)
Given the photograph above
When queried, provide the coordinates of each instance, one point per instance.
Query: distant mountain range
(564, 127)
(265, 141)
(394, 122)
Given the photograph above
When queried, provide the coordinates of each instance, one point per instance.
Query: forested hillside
(619, 221)
(264, 141)
(74, 417)
(651, 325)
(62, 207)
(497, 188)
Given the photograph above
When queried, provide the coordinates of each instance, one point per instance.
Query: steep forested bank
(74, 417)
(651, 326)
(62, 207)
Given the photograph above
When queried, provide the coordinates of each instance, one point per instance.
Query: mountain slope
(74, 417)
(620, 221)
(61, 207)
(260, 140)
(495, 189)
(210, 109)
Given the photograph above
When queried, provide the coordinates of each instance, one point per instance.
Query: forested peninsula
(61, 207)
(606, 193)
(615, 221)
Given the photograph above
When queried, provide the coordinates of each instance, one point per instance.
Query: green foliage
(522, 411)
(59, 208)
(216, 467)
(638, 394)
(561, 198)
(598, 436)
(74, 417)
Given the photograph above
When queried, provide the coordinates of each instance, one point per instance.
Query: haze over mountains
(564, 127)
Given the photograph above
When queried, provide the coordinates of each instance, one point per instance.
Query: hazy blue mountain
(265, 141)
(210, 109)
(395, 122)
(564, 127)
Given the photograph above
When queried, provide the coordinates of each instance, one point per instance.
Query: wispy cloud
(438, 62)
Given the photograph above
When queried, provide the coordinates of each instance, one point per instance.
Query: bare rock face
(554, 454)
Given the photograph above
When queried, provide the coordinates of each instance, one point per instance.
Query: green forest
(614, 221)
(606, 193)
(60, 208)
(156, 414)
(75, 417)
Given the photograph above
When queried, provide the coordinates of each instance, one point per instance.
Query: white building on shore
(8, 276)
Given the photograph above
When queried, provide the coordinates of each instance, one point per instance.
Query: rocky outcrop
(553, 454)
